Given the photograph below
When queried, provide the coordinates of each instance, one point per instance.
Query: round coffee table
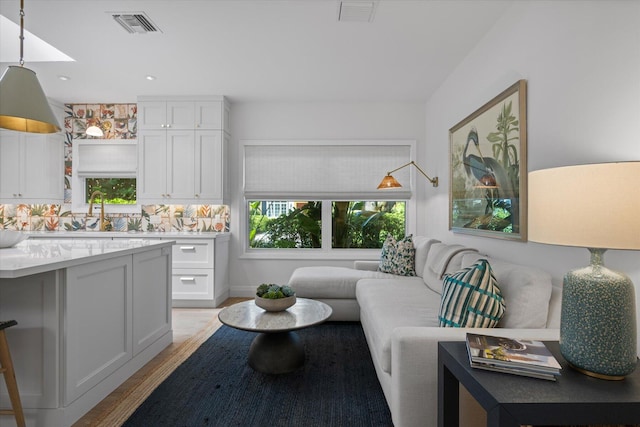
(277, 349)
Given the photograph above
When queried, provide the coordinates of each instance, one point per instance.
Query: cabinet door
(152, 115)
(10, 161)
(151, 297)
(43, 172)
(152, 166)
(180, 175)
(180, 115)
(209, 159)
(209, 115)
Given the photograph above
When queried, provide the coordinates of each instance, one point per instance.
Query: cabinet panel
(98, 304)
(181, 159)
(209, 161)
(193, 284)
(151, 311)
(180, 115)
(209, 115)
(31, 167)
(152, 162)
(9, 165)
(152, 115)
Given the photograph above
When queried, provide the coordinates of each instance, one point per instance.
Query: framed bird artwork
(488, 156)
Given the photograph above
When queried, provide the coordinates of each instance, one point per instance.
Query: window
(108, 166)
(116, 191)
(321, 196)
(354, 224)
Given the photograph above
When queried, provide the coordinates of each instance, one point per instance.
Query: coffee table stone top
(247, 316)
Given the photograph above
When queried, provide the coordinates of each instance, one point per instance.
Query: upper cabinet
(31, 167)
(182, 146)
(176, 114)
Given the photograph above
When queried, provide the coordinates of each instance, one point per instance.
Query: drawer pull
(187, 279)
(187, 248)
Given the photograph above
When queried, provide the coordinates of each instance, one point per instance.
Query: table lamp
(593, 206)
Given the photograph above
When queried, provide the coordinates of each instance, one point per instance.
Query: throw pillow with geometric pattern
(398, 257)
(471, 298)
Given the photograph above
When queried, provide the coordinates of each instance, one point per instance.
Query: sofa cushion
(526, 291)
(422, 245)
(442, 259)
(398, 257)
(471, 298)
(390, 303)
(329, 282)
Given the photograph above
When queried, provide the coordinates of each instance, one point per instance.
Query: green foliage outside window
(355, 224)
(117, 191)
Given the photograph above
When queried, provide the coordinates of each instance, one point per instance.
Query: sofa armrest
(414, 367)
(366, 265)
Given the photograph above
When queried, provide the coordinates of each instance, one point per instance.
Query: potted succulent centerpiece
(272, 297)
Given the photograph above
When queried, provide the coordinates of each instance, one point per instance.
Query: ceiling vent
(135, 22)
(356, 10)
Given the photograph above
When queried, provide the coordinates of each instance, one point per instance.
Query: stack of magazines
(518, 357)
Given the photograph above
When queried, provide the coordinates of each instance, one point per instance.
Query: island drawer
(193, 254)
(192, 284)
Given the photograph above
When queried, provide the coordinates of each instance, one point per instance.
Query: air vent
(135, 22)
(356, 10)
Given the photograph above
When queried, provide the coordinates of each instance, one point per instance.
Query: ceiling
(253, 50)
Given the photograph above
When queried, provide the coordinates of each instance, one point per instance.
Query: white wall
(282, 120)
(582, 63)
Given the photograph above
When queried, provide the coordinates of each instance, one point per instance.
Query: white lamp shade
(23, 104)
(591, 206)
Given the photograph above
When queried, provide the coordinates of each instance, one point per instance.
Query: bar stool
(6, 367)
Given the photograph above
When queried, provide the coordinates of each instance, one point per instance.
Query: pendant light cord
(21, 33)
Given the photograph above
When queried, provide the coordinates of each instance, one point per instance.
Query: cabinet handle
(197, 195)
(168, 126)
(187, 279)
(162, 126)
(187, 248)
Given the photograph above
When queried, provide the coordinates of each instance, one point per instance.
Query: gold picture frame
(488, 168)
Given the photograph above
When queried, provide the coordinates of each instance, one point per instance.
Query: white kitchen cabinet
(158, 115)
(177, 113)
(181, 167)
(181, 150)
(31, 167)
(200, 272)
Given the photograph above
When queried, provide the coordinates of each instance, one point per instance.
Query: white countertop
(123, 234)
(34, 256)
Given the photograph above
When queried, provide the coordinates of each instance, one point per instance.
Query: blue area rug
(215, 387)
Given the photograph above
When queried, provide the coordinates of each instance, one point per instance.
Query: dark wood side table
(512, 400)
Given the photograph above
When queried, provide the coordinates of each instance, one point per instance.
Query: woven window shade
(336, 170)
(106, 159)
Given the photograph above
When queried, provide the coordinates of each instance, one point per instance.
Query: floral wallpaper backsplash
(154, 218)
(117, 121)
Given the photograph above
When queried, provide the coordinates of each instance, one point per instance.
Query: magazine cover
(511, 353)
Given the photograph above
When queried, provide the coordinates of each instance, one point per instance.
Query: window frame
(79, 186)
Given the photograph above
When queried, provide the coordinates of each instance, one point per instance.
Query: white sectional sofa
(399, 316)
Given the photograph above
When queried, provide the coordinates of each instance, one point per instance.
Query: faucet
(93, 196)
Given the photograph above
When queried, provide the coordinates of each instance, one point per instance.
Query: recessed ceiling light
(64, 78)
(150, 77)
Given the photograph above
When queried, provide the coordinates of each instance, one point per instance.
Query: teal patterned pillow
(398, 257)
(471, 298)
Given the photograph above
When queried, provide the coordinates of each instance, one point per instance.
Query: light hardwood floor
(186, 322)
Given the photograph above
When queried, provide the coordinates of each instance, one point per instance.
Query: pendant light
(23, 104)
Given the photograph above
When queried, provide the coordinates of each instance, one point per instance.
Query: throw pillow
(471, 298)
(398, 257)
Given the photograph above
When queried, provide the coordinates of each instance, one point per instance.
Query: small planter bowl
(279, 304)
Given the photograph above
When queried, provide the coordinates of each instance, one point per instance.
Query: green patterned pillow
(398, 257)
(471, 298)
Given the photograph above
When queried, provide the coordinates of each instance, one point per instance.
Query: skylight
(35, 49)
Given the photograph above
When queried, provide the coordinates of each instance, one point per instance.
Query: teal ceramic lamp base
(598, 321)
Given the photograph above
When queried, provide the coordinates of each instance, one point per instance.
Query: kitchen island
(90, 313)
